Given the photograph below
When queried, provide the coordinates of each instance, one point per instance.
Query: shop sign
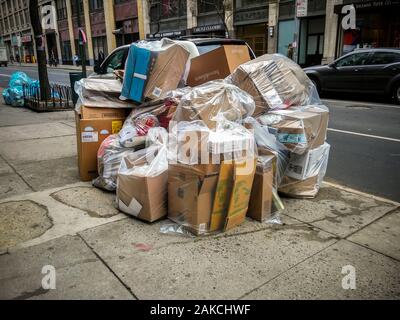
(169, 34)
(209, 28)
(301, 8)
(256, 15)
(376, 4)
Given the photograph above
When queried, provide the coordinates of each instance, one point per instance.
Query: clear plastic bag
(305, 173)
(102, 93)
(213, 196)
(148, 115)
(109, 157)
(298, 129)
(142, 179)
(153, 68)
(275, 82)
(214, 98)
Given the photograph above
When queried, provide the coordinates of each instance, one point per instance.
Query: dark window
(61, 9)
(73, 6)
(165, 9)
(385, 58)
(205, 6)
(96, 4)
(355, 59)
(249, 3)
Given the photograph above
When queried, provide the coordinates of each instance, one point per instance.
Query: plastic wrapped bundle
(304, 174)
(214, 98)
(6, 96)
(149, 115)
(214, 196)
(102, 93)
(109, 157)
(298, 129)
(273, 159)
(153, 68)
(142, 179)
(275, 82)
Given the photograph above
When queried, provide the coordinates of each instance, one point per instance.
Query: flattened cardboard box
(233, 194)
(217, 64)
(143, 197)
(190, 197)
(90, 133)
(261, 191)
(241, 191)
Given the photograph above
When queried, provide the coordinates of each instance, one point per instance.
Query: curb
(361, 193)
(62, 67)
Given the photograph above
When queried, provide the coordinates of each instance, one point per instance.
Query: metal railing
(60, 98)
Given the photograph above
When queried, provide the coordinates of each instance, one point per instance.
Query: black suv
(116, 59)
(374, 71)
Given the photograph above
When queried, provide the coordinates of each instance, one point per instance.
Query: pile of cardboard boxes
(204, 140)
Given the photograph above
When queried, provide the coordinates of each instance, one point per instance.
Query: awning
(368, 5)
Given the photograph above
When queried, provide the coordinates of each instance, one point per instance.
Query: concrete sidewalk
(49, 217)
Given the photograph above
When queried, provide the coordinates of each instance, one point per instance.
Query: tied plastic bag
(214, 98)
(109, 157)
(14, 94)
(275, 82)
(142, 179)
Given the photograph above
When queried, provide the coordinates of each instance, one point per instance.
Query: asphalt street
(364, 138)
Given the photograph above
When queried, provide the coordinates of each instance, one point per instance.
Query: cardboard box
(168, 69)
(217, 64)
(271, 83)
(308, 164)
(294, 188)
(90, 133)
(261, 192)
(103, 113)
(143, 197)
(190, 197)
(301, 130)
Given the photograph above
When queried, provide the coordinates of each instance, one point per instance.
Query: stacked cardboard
(231, 144)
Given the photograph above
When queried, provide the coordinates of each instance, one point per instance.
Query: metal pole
(296, 34)
(82, 51)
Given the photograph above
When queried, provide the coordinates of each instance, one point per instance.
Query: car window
(115, 62)
(355, 59)
(207, 48)
(385, 58)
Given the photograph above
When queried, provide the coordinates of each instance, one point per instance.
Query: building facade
(308, 31)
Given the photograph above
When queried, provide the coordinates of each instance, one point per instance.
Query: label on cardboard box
(116, 126)
(90, 136)
(157, 92)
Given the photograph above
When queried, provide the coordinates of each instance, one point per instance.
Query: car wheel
(396, 93)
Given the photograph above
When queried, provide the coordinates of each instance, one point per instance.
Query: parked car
(374, 71)
(116, 59)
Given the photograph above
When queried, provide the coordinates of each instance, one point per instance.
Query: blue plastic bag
(19, 78)
(6, 96)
